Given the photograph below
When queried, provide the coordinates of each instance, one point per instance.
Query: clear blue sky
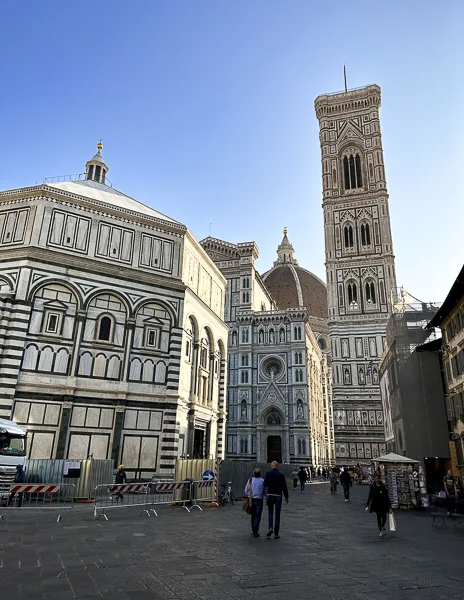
(206, 111)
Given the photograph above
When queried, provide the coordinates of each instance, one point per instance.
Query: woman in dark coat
(379, 502)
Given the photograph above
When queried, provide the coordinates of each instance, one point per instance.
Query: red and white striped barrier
(39, 497)
(204, 484)
(30, 489)
(168, 487)
(203, 491)
(128, 487)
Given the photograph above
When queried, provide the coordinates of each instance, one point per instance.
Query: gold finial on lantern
(100, 145)
(285, 231)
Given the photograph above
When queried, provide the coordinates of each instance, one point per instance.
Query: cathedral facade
(279, 377)
(359, 262)
(112, 333)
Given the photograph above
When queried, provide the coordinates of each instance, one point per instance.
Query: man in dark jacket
(121, 477)
(20, 477)
(345, 480)
(275, 485)
(303, 477)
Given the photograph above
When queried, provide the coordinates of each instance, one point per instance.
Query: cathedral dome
(292, 286)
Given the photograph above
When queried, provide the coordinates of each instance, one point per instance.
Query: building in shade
(450, 319)
(112, 332)
(279, 375)
(359, 263)
(411, 385)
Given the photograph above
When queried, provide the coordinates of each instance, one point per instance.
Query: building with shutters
(112, 333)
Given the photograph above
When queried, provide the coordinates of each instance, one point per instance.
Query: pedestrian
(257, 495)
(295, 479)
(347, 482)
(20, 477)
(379, 502)
(333, 478)
(451, 489)
(303, 477)
(308, 474)
(275, 485)
(121, 477)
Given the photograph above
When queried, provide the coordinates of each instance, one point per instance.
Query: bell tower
(359, 262)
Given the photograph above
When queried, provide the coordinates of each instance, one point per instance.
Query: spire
(285, 251)
(96, 168)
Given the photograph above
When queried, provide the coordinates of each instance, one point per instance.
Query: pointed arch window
(297, 333)
(352, 293)
(245, 336)
(352, 171)
(246, 297)
(349, 237)
(244, 377)
(243, 445)
(298, 358)
(365, 234)
(370, 292)
(244, 360)
(301, 446)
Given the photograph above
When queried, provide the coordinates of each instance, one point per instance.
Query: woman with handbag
(379, 502)
(255, 492)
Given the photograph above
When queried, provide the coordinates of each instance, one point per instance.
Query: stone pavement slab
(328, 549)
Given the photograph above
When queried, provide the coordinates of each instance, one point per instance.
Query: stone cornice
(355, 100)
(49, 194)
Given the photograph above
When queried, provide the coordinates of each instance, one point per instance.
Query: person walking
(255, 485)
(347, 482)
(295, 479)
(379, 502)
(333, 478)
(303, 477)
(275, 485)
(451, 489)
(121, 477)
(20, 477)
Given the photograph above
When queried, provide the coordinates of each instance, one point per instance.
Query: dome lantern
(96, 168)
(285, 251)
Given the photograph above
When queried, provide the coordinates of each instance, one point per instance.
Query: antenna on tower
(344, 75)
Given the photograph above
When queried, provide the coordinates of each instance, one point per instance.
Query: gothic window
(352, 171)
(370, 292)
(298, 358)
(243, 445)
(246, 297)
(244, 378)
(104, 329)
(245, 336)
(301, 446)
(246, 282)
(244, 360)
(365, 234)
(352, 295)
(349, 237)
(297, 333)
(298, 375)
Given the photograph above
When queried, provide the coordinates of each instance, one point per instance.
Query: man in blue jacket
(275, 485)
(346, 481)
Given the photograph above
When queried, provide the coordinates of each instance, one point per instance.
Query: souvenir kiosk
(405, 480)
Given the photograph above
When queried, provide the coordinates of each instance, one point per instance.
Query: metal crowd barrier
(39, 496)
(121, 495)
(168, 493)
(203, 491)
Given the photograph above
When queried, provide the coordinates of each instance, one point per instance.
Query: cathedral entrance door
(274, 448)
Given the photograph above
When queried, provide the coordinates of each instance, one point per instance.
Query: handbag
(391, 521)
(246, 507)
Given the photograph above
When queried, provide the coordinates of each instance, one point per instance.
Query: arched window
(297, 333)
(365, 234)
(349, 237)
(244, 378)
(244, 360)
(243, 445)
(298, 375)
(352, 293)
(104, 329)
(246, 282)
(298, 358)
(301, 445)
(352, 171)
(370, 292)
(246, 296)
(245, 336)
